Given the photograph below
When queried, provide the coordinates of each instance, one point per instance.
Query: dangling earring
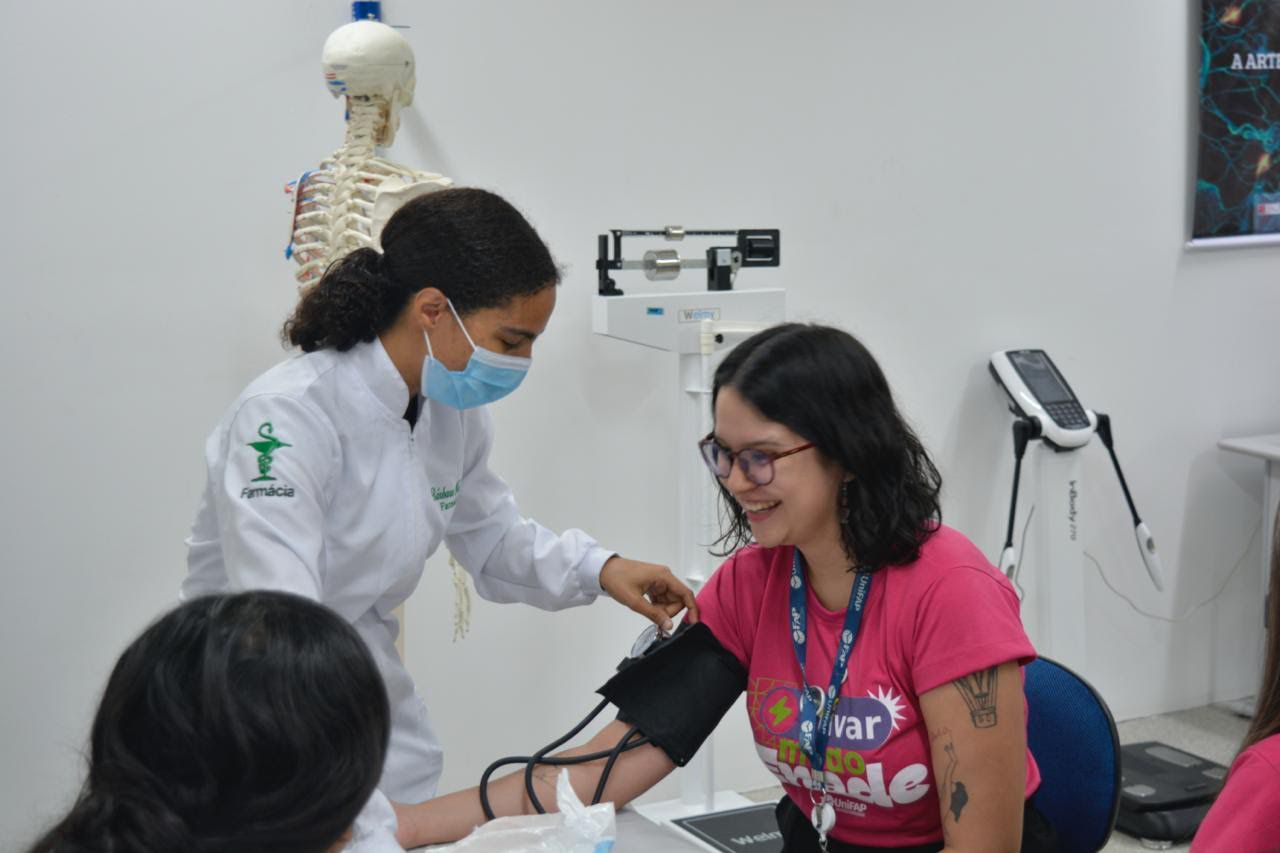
(844, 503)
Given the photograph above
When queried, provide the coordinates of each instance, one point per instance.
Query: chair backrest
(1073, 738)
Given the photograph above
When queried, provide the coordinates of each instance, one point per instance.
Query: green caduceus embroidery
(269, 444)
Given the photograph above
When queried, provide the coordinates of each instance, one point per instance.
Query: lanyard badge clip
(823, 818)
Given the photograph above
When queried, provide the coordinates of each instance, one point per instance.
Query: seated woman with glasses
(255, 723)
(880, 650)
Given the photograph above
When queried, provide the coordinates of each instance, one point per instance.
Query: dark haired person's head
(866, 481)
(1266, 713)
(447, 256)
(252, 722)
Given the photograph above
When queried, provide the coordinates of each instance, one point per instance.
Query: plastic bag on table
(576, 829)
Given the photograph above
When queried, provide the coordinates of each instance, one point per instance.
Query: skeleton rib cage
(341, 205)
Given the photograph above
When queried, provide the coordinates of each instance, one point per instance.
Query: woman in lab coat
(339, 471)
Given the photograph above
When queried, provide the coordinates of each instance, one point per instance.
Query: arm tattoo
(952, 794)
(957, 796)
(979, 692)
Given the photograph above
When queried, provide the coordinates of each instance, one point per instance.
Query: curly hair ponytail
(352, 302)
(470, 244)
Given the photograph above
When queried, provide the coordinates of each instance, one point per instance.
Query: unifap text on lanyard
(816, 708)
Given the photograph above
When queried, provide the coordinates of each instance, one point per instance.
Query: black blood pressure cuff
(678, 690)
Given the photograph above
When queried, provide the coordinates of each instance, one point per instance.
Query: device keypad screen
(1035, 369)
(1067, 415)
(1051, 391)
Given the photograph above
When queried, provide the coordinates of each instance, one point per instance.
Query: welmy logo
(697, 315)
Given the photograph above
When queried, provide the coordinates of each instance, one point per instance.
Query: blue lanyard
(816, 713)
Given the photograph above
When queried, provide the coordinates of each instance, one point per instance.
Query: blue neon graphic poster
(1238, 169)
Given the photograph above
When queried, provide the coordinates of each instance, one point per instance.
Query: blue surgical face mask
(488, 376)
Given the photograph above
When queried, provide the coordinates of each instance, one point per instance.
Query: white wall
(949, 181)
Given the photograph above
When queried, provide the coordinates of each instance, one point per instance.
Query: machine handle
(1150, 557)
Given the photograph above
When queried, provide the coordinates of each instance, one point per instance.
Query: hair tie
(382, 269)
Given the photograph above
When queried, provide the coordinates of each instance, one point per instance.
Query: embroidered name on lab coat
(447, 498)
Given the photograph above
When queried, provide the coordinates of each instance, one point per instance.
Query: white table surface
(637, 834)
(1263, 446)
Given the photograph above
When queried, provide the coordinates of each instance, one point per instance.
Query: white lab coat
(349, 507)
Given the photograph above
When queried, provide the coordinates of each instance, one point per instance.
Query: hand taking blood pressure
(648, 589)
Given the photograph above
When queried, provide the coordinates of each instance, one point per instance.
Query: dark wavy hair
(253, 722)
(824, 385)
(470, 244)
(1266, 714)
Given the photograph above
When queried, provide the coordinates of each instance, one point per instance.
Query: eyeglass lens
(755, 464)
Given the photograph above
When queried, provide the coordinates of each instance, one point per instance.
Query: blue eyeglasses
(755, 464)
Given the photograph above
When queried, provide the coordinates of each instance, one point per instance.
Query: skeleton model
(343, 204)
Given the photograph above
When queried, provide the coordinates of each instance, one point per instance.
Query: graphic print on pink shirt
(859, 725)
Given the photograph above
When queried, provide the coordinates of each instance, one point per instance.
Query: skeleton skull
(368, 59)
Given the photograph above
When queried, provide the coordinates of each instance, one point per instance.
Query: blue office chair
(1072, 735)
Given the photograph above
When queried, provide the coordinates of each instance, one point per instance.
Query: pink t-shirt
(946, 615)
(1246, 816)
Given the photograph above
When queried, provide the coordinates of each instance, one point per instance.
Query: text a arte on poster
(1255, 62)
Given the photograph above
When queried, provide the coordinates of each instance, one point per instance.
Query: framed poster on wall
(1237, 190)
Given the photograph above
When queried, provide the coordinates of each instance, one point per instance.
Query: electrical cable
(1097, 565)
(569, 761)
(484, 781)
(1248, 549)
(1024, 429)
(556, 744)
(1022, 545)
(613, 757)
(1104, 432)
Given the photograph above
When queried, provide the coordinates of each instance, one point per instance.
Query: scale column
(1059, 568)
